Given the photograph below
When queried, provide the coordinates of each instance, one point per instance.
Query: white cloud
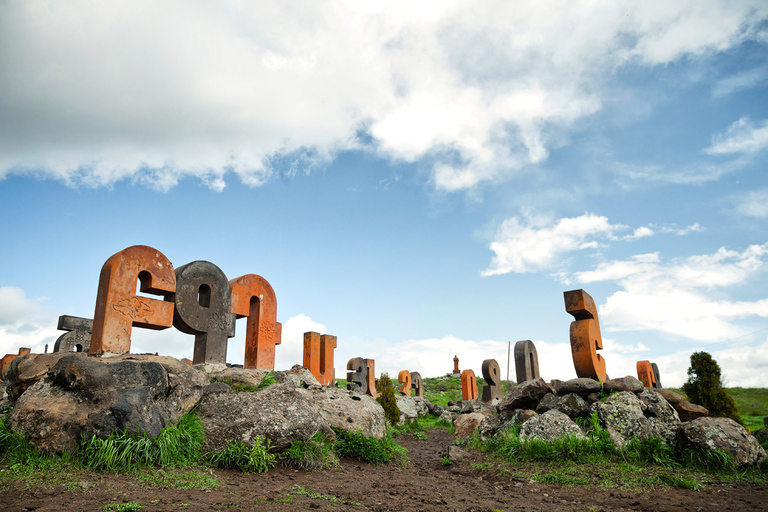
(677, 297)
(743, 136)
(156, 92)
(693, 228)
(740, 81)
(753, 204)
(24, 323)
(539, 245)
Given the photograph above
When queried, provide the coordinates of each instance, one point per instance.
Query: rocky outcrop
(685, 409)
(571, 404)
(581, 387)
(26, 370)
(661, 415)
(549, 426)
(86, 396)
(628, 383)
(722, 434)
(525, 395)
(346, 411)
(622, 415)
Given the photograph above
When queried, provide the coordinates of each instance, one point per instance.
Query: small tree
(705, 387)
(387, 399)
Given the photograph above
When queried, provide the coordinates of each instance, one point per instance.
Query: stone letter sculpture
(318, 356)
(492, 377)
(645, 373)
(118, 308)
(7, 359)
(78, 339)
(203, 305)
(526, 361)
(253, 297)
(370, 379)
(468, 385)
(656, 376)
(357, 378)
(404, 378)
(417, 384)
(585, 335)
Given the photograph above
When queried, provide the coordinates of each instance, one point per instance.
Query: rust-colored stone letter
(404, 378)
(371, 377)
(318, 356)
(468, 385)
(253, 297)
(645, 373)
(585, 335)
(117, 306)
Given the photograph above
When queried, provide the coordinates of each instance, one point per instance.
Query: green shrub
(704, 387)
(356, 445)
(313, 453)
(387, 399)
(238, 455)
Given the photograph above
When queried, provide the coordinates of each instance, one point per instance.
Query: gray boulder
(549, 426)
(408, 410)
(661, 415)
(86, 396)
(347, 411)
(525, 395)
(581, 386)
(722, 434)
(466, 424)
(240, 376)
(26, 370)
(622, 415)
(572, 405)
(685, 409)
(628, 383)
(280, 413)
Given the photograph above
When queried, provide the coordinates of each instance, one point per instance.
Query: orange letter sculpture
(318, 356)
(585, 335)
(468, 385)
(7, 359)
(645, 374)
(252, 296)
(404, 377)
(371, 377)
(117, 306)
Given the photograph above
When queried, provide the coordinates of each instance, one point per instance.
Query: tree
(705, 387)
(387, 399)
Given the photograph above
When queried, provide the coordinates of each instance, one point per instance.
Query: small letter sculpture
(468, 385)
(318, 356)
(357, 381)
(203, 308)
(370, 379)
(404, 378)
(656, 376)
(118, 308)
(7, 359)
(78, 337)
(417, 385)
(253, 297)
(585, 335)
(645, 373)
(526, 361)
(492, 377)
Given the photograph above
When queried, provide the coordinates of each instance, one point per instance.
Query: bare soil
(425, 485)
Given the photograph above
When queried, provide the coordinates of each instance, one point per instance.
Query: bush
(387, 399)
(704, 387)
(369, 449)
(238, 455)
(313, 453)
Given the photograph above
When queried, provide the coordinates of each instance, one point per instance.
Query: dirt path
(426, 485)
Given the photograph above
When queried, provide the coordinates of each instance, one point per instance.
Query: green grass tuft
(356, 445)
(238, 455)
(310, 454)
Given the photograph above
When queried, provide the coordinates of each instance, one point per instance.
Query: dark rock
(685, 409)
(622, 415)
(580, 386)
(525, 395)
(663, 418)
(722, 434)
(217, 387)
(489, 426)
(628, 383)
(572, 405)
(592, 398)
(26, 370)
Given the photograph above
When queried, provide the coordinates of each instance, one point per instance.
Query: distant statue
(456, 364)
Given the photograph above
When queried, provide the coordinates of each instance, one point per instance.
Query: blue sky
(420, 181)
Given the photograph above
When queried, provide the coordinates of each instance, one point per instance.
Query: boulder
(525, 395)
(280, 413)
(466, 424)
(298, 376)
(722, 434)
(408, 410)
(347, 411)
(456, 454)
(685, 409)
(489, 426)
(661, 415)
(86, 396)
(581, 386)
(549, 426)
(517, 416)
(422, 406)
(628, 383)
(217, 387)
(622, 415)
(572, 405)
(26, 370)
(235, 376)
(447, 417)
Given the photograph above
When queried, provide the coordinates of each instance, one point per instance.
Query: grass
(253, 458)
(370, 449)
(244, 387)
(311, 454)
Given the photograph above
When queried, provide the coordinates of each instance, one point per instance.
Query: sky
(421, 180)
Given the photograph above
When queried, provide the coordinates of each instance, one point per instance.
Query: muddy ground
(425, 485)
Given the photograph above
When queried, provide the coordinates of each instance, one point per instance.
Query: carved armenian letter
(118, 308)
(585, 335)
(404, 378)
(656, 376)
(318, 356)
(645, 374)
(492, 377)
(7, 359)
(468, 385)
(357, 377)
(78, 335)
(253, 297)
(370, 379)
(526, 361)
(417, 384)
(203, 308)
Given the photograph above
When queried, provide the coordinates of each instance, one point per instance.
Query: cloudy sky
(419, 179)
